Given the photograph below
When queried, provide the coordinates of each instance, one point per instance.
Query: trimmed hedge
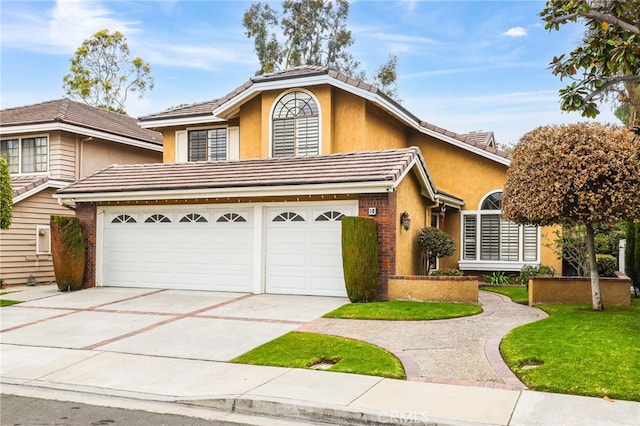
(360, 258)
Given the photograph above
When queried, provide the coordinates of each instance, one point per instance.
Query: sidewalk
(292, 394)
(245, 394)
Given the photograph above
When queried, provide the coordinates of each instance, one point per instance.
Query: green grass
(517, 294)
(4, 302)
(398, 310)
(580, 352)
(301, 350)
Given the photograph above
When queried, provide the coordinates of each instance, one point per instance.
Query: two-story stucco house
(254, 184)
(48, 146)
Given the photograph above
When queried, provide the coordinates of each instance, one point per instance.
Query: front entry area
(284, 248)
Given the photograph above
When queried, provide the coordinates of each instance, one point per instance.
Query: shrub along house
(48, 146)
(254, 184)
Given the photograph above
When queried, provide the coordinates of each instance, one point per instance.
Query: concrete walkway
(113, 347)
(455, 351)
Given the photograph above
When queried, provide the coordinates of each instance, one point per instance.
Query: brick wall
(385, 219)
(86, 213)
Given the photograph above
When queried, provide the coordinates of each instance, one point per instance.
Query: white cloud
(515, 32)
(61, 29)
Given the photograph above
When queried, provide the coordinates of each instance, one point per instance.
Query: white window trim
(273, 106)
(188, 129)
(47, 230)
(20, 138)
(493, 265)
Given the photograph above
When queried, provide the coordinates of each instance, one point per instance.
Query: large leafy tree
(6, 195)
(607, 58)
(104, 74)
(577, 174)
(309, 32)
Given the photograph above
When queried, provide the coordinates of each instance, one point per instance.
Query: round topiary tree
(434, 244)
(576, 174)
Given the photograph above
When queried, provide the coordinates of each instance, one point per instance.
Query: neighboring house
(255, 183)
(48, 146)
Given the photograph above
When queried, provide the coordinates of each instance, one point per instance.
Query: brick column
(86, 214)
(385, 219)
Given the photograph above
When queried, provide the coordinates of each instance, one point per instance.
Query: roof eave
(54, 126)
(228, 192)
(180, 121)
(227, 109)
(33, 191)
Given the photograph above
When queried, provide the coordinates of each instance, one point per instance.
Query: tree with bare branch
(607, 58)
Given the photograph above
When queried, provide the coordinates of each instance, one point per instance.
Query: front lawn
(303, 350)
(517, 294)
(400, 310)
(578, 351)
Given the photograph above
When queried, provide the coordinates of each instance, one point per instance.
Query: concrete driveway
(170, 323)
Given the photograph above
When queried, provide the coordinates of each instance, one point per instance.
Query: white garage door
(191, 248)
(304, 250)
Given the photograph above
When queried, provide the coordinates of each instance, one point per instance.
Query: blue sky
(463, 65)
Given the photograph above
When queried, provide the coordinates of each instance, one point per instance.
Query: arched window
(295, 125)
(488, 237)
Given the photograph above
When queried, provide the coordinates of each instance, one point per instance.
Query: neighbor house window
(26, 155)
(295, 126)
(210, 144)
(487, 237)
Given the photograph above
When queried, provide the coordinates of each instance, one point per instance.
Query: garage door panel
(305, 256)
(192, 251)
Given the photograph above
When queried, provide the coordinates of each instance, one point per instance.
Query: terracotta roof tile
(78, 114)
(356, 167)
(22, 184)
(305, 71)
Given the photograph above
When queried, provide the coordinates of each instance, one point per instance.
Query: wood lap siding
(62, 156)
(18, 257)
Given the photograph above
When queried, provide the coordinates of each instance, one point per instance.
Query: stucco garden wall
(615, 291)
(434, 289)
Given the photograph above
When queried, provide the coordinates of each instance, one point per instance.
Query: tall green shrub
(360, 258)
(68, 252)
(630, 258)
(6, 194)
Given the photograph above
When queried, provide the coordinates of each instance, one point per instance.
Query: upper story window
(486, 236)
(208, 144)
(295, 125)
(26, 155)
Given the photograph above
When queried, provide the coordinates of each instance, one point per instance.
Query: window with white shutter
(295, 125)
(491, 242)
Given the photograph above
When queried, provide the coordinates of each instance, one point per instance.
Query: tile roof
(78, 114)
(356, 167)
(206, 108)
(22, 184)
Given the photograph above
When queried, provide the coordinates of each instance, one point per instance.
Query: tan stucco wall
(407, 248)
(252, 132)
(434, 289)
(547, 254)
(615, 291)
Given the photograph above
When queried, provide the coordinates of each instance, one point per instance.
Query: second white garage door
(304, 249)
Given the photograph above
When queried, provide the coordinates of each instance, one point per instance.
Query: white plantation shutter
(490, 237)
(530, 243)
(181, 146)
(509, 240)
(469, 238)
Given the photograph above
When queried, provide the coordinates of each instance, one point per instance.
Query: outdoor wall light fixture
(405, 221)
